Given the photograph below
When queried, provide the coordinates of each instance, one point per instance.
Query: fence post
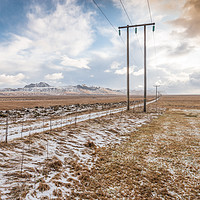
(70, 120)
(22, 126)
(47, 147)
(43, 125)
(7, 129)
(62, 119)
(76, 115)
(50, 125)
(121, 116)
(29, 135)
(22, 160)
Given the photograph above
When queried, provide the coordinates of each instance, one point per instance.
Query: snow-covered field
(103, 154)
(161, 160)
(41, 163)
(24, 122)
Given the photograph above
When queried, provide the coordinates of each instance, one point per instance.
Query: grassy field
(161, 160)
(13, 102)
(180, 101)
(16, 102)
(126, 155)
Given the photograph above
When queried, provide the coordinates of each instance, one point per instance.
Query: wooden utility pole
(145, 77)
(156, 86)
(145, 70)
(128, 99)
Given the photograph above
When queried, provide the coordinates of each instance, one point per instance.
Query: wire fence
(24, 122)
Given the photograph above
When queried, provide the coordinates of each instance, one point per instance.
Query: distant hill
(40, 84)
(84, 89)
(43, 88)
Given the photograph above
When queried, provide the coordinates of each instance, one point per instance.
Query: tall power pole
(145, 70)
(156, 86)
(145, 77)
(128, 99)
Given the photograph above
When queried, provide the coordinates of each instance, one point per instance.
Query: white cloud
(114, 46)
(77, 63)
(138, 73)
(131, 71)
(107, 71)
(121, 71)
(103, 53)
(62, 40)
(159, 82)
(67, 28)
(11, 80)
(115, 65)
(47, 38)
(54, 76)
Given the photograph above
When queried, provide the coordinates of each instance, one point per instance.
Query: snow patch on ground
(42, 163)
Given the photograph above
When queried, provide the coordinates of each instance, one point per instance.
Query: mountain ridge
(43, 88)
(40, 84)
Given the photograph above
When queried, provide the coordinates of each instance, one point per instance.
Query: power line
(150, 15)
(112, 24)
(149, 10)
(104, 15)
(125, 12)
(108, 20)
(131, 23)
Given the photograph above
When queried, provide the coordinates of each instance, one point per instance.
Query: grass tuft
(43, 186)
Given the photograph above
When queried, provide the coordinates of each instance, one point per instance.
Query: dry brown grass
(159, 161)
(57, 192)
(43, 186)
(19, 191)
(7, 103)
(160, 157)
(180, 101)
(90, 144)
(54, 164)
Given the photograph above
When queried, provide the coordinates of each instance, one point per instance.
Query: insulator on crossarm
(153, 28)
(135, 30)
(119, 32)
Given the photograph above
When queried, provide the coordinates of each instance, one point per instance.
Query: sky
(70, 42)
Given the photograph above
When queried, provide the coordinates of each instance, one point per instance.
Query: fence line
(26, 123)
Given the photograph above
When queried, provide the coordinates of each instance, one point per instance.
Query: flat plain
(17, 102)
(115, 155)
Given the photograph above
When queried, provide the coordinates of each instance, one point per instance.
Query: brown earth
(180, 101)
(169, 101)
(159, 160)
(7, 103)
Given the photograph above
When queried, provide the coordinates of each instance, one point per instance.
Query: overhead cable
(105, 15)
(150, 15)
(107, 18)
